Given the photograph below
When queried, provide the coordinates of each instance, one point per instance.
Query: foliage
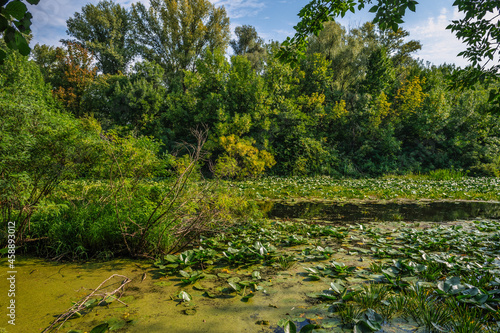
(176, 33)
(250, 45)
(356, 104)
(129, 103)
(478, 30)
(15, 24)
(436, 185)
(242, 159)
(40, 145)
(79, 73)
(50, 60)
(104, 29)
(409, 98)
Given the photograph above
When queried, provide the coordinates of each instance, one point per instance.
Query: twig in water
(80, 305)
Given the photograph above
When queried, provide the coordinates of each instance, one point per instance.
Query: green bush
(445, 174)
(485, 170)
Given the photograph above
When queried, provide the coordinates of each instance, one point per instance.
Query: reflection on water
(339, 212)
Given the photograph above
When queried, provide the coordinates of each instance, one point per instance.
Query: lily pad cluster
(441, 278)
(389, 187)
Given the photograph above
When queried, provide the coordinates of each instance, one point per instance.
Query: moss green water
(44, 290)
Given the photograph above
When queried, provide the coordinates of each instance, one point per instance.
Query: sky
(275, 19)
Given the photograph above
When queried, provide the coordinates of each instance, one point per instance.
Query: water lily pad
(209, 294)
(198, 286)
(100, 328)
(235, 286)
(189, 312)
(184, 296)
(234, 279)
(246, 283)
(116, 323)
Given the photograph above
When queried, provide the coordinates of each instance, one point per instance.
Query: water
(366, 212)
(44, 289)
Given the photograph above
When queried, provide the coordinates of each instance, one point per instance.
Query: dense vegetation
(91, 131)
(142, 136)
(356, 105)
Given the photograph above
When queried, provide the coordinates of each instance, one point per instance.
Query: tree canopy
(478, 29)
(174, 33)
(105, 30)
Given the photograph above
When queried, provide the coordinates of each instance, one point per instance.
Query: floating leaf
(100, 328)
(234, 279)
(235, 286)
(308, 328)
(189, 312)
(198, 286)
(210, 295)
(290, 327)
(116, 324)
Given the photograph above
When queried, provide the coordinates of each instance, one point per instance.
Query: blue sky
(274, 20)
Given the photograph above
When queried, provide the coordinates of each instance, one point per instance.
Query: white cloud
(49, 19)
(439, 45)
(240, 8)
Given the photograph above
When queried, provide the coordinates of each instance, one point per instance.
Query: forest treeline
(357, 104)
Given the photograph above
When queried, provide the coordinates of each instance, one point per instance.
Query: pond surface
(44, 290)
(366, 212)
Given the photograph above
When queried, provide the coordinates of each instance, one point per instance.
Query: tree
(250, 45)
(174, 33)
(40, 146)
(379, 74)
(15, 24)
(130, 102)
(478, 30)
(49, 60)
(105, 30)
(79, 73)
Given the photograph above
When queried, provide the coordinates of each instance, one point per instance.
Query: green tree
(249, 44)
(129, 103)
(174, 33)
(479, 30)
(343, 50)
(39, 145)
(379, 74)
(105, 30)
(15, 26)
(50, 61)
(78, 74)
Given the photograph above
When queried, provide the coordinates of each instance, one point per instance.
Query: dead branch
(80, 305)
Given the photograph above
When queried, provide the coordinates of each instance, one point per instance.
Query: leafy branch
(15, 25)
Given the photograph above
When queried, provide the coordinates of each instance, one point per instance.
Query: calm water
(349, 212)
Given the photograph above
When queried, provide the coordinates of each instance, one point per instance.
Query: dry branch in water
(81, 304)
